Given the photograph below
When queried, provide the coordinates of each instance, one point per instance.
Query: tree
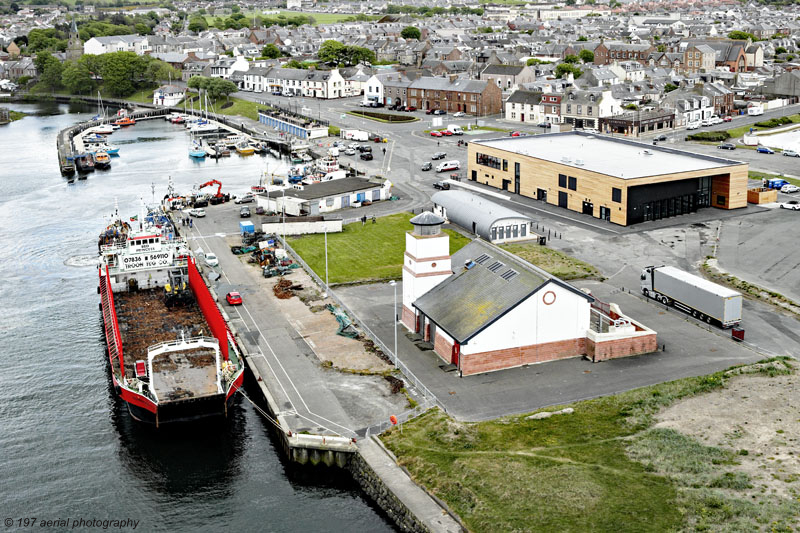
(218, 87)
(571, 59)
(669, 87)
(77, 78)
(536, 61)
(157, 70)
(198, 24)
(121, 71)
(271, 51)
(358, 54)
(293, 64)
(583, 38)
(331, 51)
(741, 36)
(630, 107)
(780, 50)
(51, 73)
(410, 32)
(143, 29)
(586, 55)
(566, 68)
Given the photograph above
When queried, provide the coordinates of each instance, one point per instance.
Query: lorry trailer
(692, 294)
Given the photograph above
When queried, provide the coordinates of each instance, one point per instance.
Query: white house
(524, 106)
(325, 196)
(224, 67)
(168, 95)
(485, 309)
(373, 89)
(628, 70)
(115, 43)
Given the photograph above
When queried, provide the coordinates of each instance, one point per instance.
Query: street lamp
(325, 229)
(394, 319)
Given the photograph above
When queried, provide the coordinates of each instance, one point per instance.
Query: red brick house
(453, 94)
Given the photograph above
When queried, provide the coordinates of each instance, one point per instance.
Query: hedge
(386, 117)
(334, 131)
(774, 122)
(710, 136)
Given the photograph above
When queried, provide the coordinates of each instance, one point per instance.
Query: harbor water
(68, 448)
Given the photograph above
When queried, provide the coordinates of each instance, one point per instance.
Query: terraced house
(453, 94)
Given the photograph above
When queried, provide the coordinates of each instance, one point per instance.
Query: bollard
(548, 234)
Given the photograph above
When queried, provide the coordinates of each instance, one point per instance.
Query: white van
(456, 129)
(448, 165)
(211, 260)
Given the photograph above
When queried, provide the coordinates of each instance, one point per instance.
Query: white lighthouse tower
(426, 262)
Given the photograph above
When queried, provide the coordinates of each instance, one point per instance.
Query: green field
(557, 263)
(370, 252)
(601, 468)
(320, 18)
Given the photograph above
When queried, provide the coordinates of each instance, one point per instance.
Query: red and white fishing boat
(171, 353)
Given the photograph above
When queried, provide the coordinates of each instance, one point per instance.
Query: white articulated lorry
(692, 294)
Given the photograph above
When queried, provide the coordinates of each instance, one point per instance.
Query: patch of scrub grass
(369, 252)
(601, 468)
(557, 263)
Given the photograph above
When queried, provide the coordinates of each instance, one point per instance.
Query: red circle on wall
(433, 265)
(549, 298)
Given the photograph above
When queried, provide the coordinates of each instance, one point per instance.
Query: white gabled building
(168, 95)
(116, 43)
(524, 106)
(485, 309)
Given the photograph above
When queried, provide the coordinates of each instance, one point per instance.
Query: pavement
(311, 397)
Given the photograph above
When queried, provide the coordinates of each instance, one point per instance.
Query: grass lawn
(324, 18)
(557, 263)
(738, 132)
(753, 175)
(368, 252)
(601, 468)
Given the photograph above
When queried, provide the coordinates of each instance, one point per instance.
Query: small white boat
(103, 129)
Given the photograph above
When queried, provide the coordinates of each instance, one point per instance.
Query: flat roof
(612, 156)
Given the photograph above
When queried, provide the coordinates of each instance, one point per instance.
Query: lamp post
(325, 229)
(394, 318)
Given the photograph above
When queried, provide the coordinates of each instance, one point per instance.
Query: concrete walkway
(416, 500)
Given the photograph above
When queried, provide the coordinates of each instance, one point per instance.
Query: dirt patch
(757, 415)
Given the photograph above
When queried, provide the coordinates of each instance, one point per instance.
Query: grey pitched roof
(508, 70)
(525, 97)
(444, 84)
(332, 188)
(473, 298)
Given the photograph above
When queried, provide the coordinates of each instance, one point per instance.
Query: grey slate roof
(472, 299)
(332, 188)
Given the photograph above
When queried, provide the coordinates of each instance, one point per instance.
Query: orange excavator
(218, 197)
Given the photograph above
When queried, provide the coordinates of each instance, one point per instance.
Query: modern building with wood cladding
(615, 179)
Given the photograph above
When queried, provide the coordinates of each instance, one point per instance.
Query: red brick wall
(603, 351)
(408, 318)
(511, 357)
(443, 348)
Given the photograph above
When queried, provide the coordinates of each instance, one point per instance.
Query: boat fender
(117, 389)
(100, 306)
(98, 289)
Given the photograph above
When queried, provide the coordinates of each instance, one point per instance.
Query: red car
(411, 108)
(516, 134)
(233, 298)
(447, 133)
(429, 111)
(435, 133)
(727, 119)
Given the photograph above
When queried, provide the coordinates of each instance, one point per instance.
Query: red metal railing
(209, 308)
(113, 338)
